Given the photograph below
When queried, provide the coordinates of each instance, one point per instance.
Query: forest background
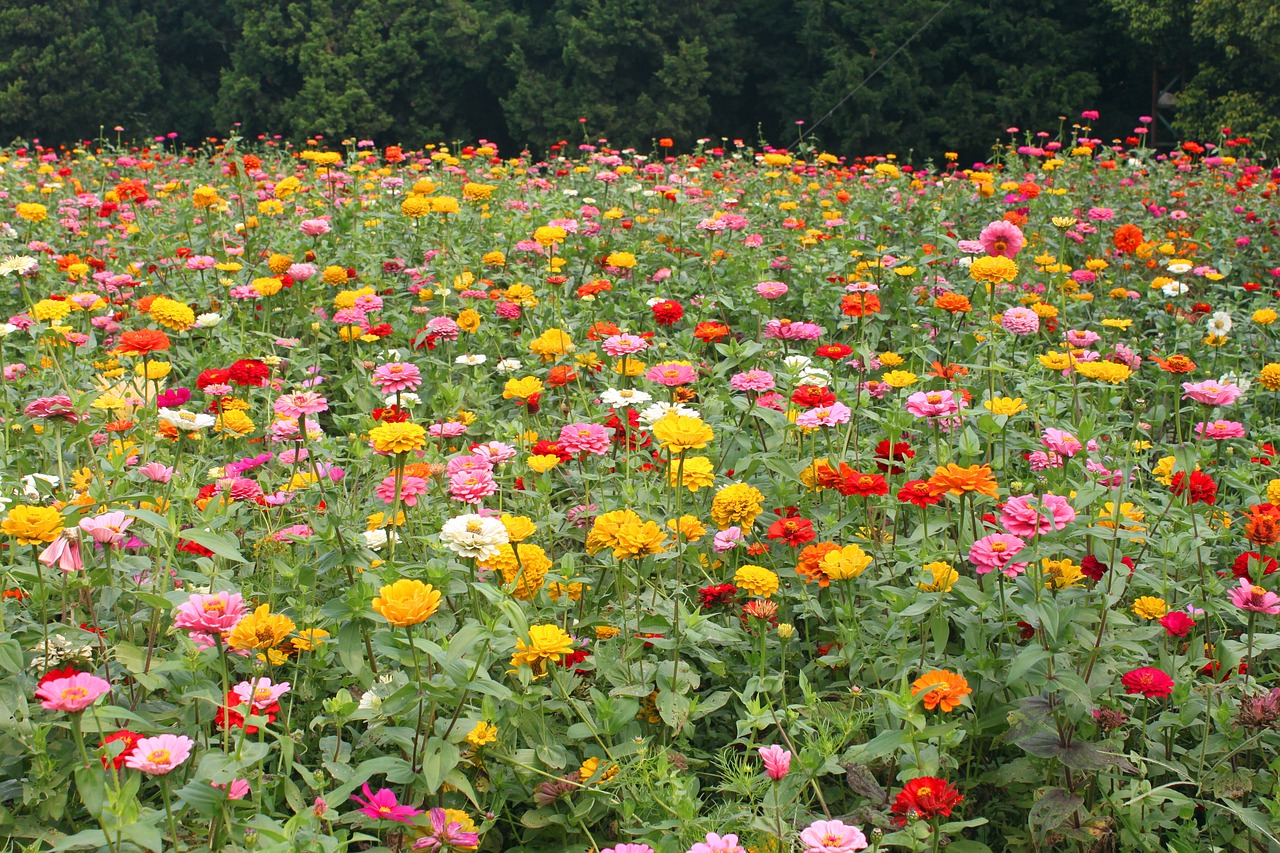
(533, 73)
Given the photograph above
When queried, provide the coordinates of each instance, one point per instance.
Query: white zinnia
(616, 398)
(1174, 288)
(1220, 323)
(652, 414)
(507, 365)
(209, 320)
(471, 360)
(474, 536)
(187, 421)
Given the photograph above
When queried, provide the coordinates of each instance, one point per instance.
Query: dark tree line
(523, 72)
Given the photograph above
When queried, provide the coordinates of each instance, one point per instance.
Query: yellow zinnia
(407, 602)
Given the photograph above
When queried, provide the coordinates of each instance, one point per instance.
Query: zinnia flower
(159, 755)
(1148, 681)
(546, 643)
(941, 689)
(832, 836)
(407, 602)
(926, 797)
(71, 694)
(383, 806)
(777, 761)
(1248, 596)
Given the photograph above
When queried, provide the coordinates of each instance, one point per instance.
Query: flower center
(159, 756)
(999, 547)
(80, 692)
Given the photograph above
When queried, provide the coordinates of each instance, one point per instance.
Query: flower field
(743, 500)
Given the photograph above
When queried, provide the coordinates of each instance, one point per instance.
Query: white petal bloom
(187, 421)
(474, 536)
(616, 398)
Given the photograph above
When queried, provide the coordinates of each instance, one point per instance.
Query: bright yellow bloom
(993, 270)
(698, 472)
(32, 525)
(551, 343)
(756, 580)
(233, 422)
(1150, 607)
(636, 539)
(1264, 316)
(1270, 377)
(736, 503)
(51, 310)
(891, 359)
(1104, 371)
(1007, 406)
(519, 527)
(407, 602)
(622, 260)
(482, 733)
(899, 378)
(1055, 360)
(687, 527)
(526, 568)
(260, 630)
(591, 767)
(846, 563)
(546, 643)
(397, 438)
(1061, 574)
(522, 389)
(32, 211)
(942, 576)
(677, 433)
(543, 462)
(1117, 323)
(172, 314)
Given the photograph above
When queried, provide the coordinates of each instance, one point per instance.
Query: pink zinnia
(315, 227)
(57, 406)
(1060, 442)
(771, 289)
(237, 790)
(1040, 460)
(1082, 338)
(471, 486)
(752, 380)
(616, 346)
(672, 374)
(449, 429)
(1254, 598)
(410, 488)
(302, 272)
(1020, 321)
(63, 552)
(474, 462)
(300, 404)
(495, 451)
(777, 761)
(1001, 239)
(832, 836)
(932, 404)
(1220, 429)
(210, 614)
(157, 756)
(718, 844)
(591, 439)
(1211, 393)
(628, 848)
(71, 694)
(727, 539)
(833, 415)
(260, 693)
(383, 806)
(1028, 515)
(397, 376)
(994, 552)
(786, 330)
(156, 472)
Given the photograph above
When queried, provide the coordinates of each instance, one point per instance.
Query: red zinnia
(813, 396)
(1177, 623)
(228, 717)
(898, 451)
(667, 312)
(128, 738)
(794, 531)
(249, 371)
(1240, 568)
(213, 376)
(717, 595)
(926, 797)
(1149, 681)
(1201, 486)
(863, 485)
(834, 351)
(918, 492)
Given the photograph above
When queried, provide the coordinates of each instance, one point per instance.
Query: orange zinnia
(810, 558)
(561, 375)
(142, 342)
(1127, 238)
(1263, 525)
(953, 479)
(1175, 363)
(947, 371)
(859, 304)
(945, 689)
(956, 303)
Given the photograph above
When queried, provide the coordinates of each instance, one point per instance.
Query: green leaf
(220, 544)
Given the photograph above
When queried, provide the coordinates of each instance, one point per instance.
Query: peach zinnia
(957, 481)
(941, 689)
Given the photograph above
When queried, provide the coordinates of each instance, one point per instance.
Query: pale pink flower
(260, 693)
(156, 473)
(1080, 339)
(63, 552)
(474, 462)
(1020, 321)
(833, 415)
(315, 227)
(832, 836)
(1001, 239)
(591, 439)
(300, 404)
(71, 694)
(1252, 598)
(237, 790)
(1060, 442)
(771, 289)
(727, 539)
(616, 346)
(777, 761)
(1028, 515)
(495, 451)
(752, 380)
(448, 429)
(994, 551)
(302, 272)
(159, 755)
(718, 844)
(397, 376)
(1211, 393)
(932, 404)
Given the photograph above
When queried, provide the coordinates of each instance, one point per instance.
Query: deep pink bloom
(1254, 598)
(472, 486)
(777, 761)
(1001, 239)
(383, 806)
(1061, 442)
(616, 346)
(994, 552)
(397, 376)
(591, 439)
(628, 848)
(57, 406)
(410, 488)
(832, 836)
(1220, 430)
(447, 834)
(785, 330)
(1028, 515)
(752, 380)
(71, 694)
(672, 374)
(157, 756)
(1082, 338)
(237, 790)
